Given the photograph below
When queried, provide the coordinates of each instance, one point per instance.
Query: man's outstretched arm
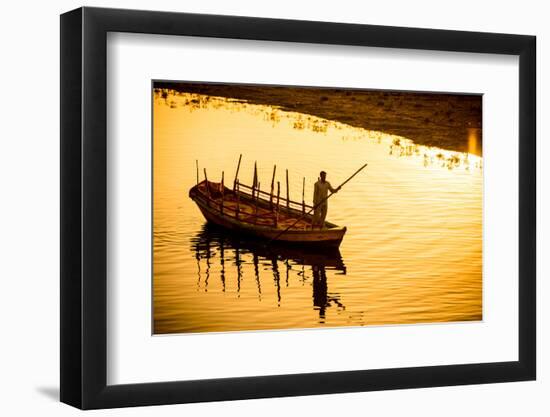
(333, 190)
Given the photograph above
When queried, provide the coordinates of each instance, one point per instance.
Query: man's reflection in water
(320, 299)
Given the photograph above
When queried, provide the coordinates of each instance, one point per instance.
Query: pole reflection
(213, 245)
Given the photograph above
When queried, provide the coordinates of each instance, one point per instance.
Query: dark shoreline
(432, 119)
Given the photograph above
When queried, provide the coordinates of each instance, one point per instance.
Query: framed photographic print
(258, 207)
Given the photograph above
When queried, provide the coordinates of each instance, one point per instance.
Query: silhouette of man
(320, 194)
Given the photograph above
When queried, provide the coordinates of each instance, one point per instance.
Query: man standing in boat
(320, 194)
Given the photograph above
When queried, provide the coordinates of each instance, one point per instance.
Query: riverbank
(448, 121)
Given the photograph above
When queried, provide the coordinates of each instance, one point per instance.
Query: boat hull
(213, 236)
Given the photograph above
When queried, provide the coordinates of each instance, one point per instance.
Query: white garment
(320, 192)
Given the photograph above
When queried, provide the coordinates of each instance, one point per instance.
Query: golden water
(412, 252)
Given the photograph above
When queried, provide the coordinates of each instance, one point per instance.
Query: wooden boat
(248, 210)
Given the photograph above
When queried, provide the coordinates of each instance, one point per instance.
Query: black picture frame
(84, 207)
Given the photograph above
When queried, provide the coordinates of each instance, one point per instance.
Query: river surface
(412, 252)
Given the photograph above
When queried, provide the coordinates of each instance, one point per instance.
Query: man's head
(323, 175)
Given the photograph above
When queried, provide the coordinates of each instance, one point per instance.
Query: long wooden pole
(237, 172)
(237, 194)
(287, 191)
(256, 204)
(316, 205)
(207, 188)
(277, 206)
(272, 186)
(255, 179)
(303, 196)
(197, 165)
(222, 193)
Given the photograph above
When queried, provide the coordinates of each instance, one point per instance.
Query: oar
(314, 207)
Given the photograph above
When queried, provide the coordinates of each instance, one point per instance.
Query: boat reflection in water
(214, 245)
